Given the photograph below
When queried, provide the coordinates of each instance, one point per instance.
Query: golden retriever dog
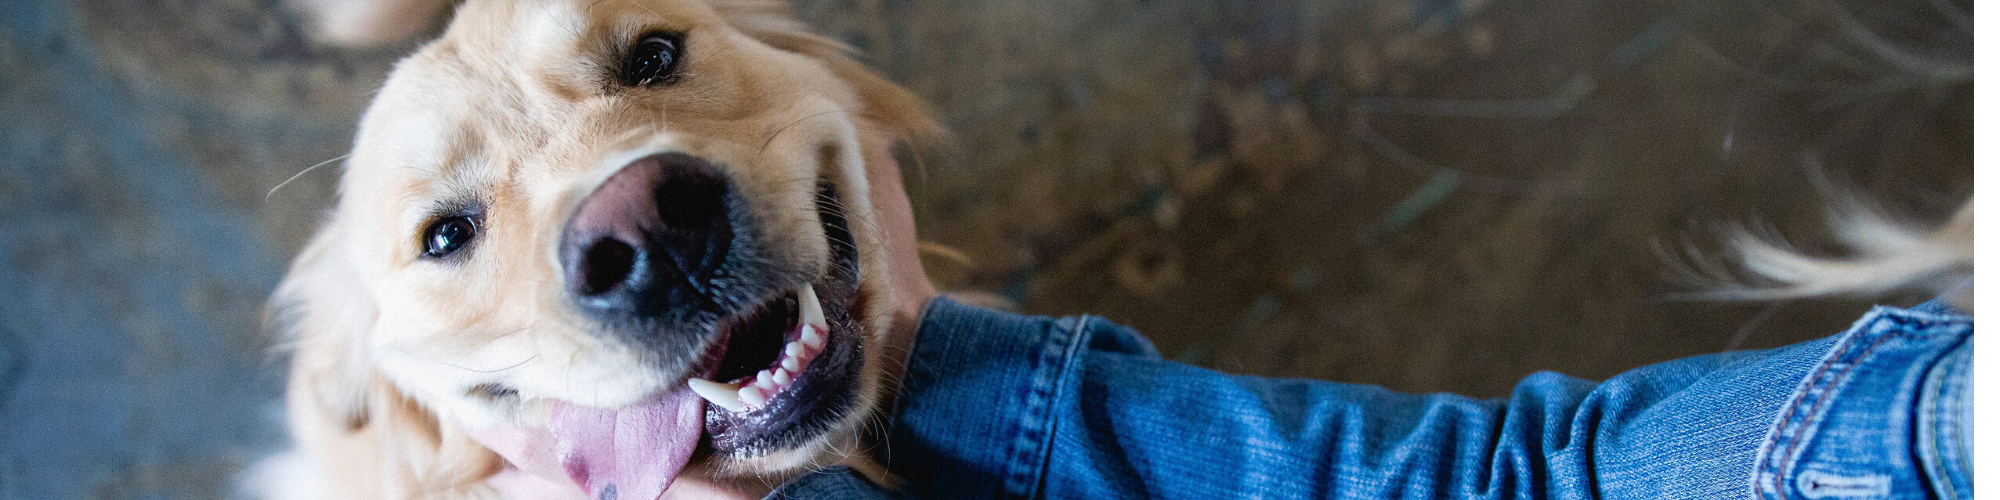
(608, 243)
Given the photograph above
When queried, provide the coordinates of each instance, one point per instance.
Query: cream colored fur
(1883, 256)
(510, 106)
(1878, 255)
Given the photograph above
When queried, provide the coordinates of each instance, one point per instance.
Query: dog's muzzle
(650, 241)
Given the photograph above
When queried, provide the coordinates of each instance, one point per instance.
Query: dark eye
(652, 60)
(449, 235)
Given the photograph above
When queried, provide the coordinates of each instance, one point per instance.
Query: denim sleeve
(998, 405)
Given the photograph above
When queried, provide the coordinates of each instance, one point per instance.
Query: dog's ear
(370, 23)
(323, 313)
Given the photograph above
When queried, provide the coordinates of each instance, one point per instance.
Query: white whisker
(274, 189)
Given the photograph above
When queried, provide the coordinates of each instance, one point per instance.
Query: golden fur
(511, 106)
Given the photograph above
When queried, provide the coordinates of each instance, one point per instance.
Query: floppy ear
(370, 23)
(324, 313)
(366, 437)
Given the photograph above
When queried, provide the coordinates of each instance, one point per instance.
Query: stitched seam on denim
(1785, 429)
(1941, 449)
(1761, 474)
(1870, 326)
(1925, 317)
(1030, 446)
(1065, 382)
(1926, 330)
(1779, 427)
(1960, 467)
(1927, 438)
(1927, 435)
(1813, 416)
(1942, 399)
(1933, 468)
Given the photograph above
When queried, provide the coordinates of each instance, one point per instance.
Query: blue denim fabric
(1000, 405)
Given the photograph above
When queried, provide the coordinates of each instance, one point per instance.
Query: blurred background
(1431, 195)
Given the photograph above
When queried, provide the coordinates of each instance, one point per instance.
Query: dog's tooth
(752, 397)
(791, 364)
(795, 349)
(811, 338)
(765, 380)
(721, 394)
(782, 377)
(809, 313)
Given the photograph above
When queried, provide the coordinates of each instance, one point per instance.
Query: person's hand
(898, 225)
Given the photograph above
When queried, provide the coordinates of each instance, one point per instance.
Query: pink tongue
(635, 451)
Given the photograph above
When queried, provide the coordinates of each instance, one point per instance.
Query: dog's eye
(653, 60)
(449, 235)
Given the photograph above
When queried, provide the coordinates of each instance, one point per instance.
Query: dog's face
(560, 212)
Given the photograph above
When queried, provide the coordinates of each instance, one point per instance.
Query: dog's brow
(455, 205)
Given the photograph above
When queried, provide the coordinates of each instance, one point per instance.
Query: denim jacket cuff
(969, 406)
(1847, 431)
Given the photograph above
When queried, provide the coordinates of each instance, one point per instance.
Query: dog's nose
(649, 238)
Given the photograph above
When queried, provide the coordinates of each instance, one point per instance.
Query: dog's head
(631, 232)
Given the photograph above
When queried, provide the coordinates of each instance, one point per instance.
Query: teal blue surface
(132, 275)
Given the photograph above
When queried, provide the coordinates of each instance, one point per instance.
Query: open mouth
(761, 364)
(788, 370)
(775, 377)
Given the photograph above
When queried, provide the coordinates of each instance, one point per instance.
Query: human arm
(1005, 406)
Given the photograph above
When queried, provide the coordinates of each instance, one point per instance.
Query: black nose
(650, 239)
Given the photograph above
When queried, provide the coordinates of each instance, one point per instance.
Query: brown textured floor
(1429, 195)
(1434, 196)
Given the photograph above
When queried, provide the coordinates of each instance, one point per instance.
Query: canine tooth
(752, 397)
(811, 338)
(795, 349)
(809, 313)
(791, 364)
(723, 395)
(782, 377)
